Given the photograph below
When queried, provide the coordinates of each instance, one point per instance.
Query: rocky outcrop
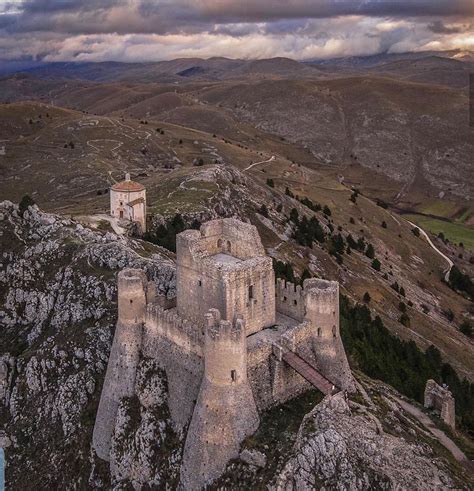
(145, 449)
(343, 448)
(57, 315)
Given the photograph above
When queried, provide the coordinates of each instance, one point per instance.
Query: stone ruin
(233, 343)
(440, 398)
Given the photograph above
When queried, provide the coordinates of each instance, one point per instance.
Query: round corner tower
(225, 412)
(322, 306)
(124, 356)
(322, 310)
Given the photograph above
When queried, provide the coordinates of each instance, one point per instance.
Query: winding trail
(457, 453)
(271, 159)
(425, 235)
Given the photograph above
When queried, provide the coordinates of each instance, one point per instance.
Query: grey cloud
(167, 16)
(439, 27)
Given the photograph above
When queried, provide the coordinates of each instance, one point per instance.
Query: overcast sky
(146, 30)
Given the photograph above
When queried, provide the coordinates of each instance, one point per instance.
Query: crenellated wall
(289, 299)
(186, 334)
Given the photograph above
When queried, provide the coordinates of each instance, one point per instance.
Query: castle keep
(233, 343)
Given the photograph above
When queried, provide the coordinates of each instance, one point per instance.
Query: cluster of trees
(381, 355)
(285, 271)
(306, 231)
(165, 235)
(461, 282)
(308, 203)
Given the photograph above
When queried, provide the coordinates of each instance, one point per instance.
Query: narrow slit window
(319, 331)
(233, 375)
(251, 292)
(295, 302)
(200, 282)
(333, 331)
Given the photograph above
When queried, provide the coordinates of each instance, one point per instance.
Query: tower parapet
(289, 299)
(225, 412)
(124, 356)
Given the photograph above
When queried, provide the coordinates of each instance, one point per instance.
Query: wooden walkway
(309, 373)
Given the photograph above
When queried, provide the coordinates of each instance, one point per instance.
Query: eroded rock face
(57, 315)
(145, 449)
(342, 448)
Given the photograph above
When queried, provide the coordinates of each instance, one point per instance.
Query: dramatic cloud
(142, 30)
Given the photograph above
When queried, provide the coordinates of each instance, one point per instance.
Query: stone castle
(232, 343)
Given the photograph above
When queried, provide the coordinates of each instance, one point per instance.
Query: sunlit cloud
(145, 30)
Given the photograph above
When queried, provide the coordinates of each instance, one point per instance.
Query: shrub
(284, 270)
(449, 314)
(263, 211)
(307, 231)
(270, 183)
(405, 320)
(294, 216)
(416, 231)
(384, 224)
(466, 328)
(327, 210)
(165, 235)
(370, 253)
(25, 202)
(336, 245)
(309, 204)
(366, 297)
(376, 264)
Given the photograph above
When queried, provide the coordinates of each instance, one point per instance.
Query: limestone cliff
(57, 315)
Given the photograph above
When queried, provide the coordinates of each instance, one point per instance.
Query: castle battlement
(168, 324)
(289, 299)
(219, 330)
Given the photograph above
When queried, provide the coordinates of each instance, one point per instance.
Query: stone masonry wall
(289, 299)
(440, 398)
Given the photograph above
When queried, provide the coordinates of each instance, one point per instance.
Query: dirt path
(94, 220)
(425, 235)
(271, 159)
(458, 454)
